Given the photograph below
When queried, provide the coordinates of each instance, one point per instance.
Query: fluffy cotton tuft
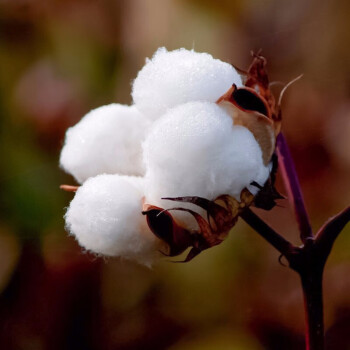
(195, 150)
(190, 147)
(105, 217)
(180, 76)
(107, 140)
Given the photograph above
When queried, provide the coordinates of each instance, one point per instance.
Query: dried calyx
(222, 215)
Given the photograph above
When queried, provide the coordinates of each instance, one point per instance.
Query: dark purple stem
(329, 232)
(308, 261)
(292, 185)
(313, 304)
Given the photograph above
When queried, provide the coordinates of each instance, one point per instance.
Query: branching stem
(291, 182)
(309, 259)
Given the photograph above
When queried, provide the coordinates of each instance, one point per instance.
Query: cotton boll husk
(195, 150)
(107, 140)
(105, 217)
(174, 77)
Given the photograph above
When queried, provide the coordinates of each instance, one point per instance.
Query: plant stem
(293, 188)
(313, 304)
(329, 232)
(308, 261)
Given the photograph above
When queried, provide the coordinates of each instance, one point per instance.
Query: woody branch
(309, 259)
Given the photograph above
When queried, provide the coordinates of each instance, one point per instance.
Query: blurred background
(61, 58)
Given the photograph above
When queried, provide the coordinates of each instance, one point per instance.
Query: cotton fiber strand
(107, 140)
(105, 217)
(174, 77)
(195, 150)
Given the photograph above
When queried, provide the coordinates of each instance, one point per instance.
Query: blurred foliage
(59, 59)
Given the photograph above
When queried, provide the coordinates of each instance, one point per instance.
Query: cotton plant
(184, 136)
(174, 171)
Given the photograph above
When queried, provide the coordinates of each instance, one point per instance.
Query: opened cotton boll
(105, 217)
(107, 140)
(174, 77)
(195, 150)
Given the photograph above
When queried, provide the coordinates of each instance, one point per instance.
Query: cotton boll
(174, 77)
(195, 150)
(107, 140)
(105, 217)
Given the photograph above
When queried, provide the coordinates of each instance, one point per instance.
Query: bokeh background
(59, 59)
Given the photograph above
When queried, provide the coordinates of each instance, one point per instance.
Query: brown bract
(222, 215)
(253, 106)
(258, 124)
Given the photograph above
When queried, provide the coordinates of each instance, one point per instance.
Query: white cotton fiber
(195, 150)
(105, 217)
(107, 140)
(261, 178)
(174, 77)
